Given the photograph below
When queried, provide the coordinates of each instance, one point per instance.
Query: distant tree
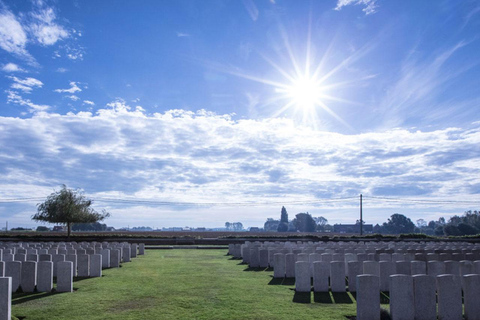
(292, 226)
(93, 227)
(467, 229)
(321, 221)
(271, 225)
(305, 222)
(228, 225)
(42, 229)
(398, 223)
(421, 223)
(284, 215)
(451, 230)
(68, 206)
(283, 225)
(237, 226)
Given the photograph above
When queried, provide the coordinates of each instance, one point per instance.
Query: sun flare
(304, 92)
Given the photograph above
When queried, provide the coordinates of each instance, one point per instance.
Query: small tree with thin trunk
(68, 206)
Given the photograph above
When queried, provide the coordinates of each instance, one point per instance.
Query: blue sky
(234, 103)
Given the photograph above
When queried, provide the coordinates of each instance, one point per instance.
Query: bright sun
(304, 92)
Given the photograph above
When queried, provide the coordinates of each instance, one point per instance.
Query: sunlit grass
(180, 284)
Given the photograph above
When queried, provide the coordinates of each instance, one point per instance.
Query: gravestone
(83, 265)
(279, 265)
(425, 298)
(302, 276)
(321, 274)
(13, 269)
(65, 276)
(28, 279)
(45, 276)
(471, 292)
(401, 296)
(95, 265)
(105, 258)
(337, 276)
(5, 298)
(368, 297)
(449, 294)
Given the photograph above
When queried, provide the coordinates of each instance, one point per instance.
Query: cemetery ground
(182, 284)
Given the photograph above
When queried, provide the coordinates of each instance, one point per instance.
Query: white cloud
(73, 97)
(26, 85)
(370, 5)
(12, 67)
(73, 88)
(45, 30)
(14, 97)
(182, 34)
(201, 156)
(91, 103)
(13, 37)
(62, 70)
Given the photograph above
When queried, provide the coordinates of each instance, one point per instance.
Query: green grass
(182, 284)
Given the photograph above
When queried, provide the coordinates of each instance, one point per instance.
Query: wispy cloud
(251, 9)
(89, 102)
(73, 88)
(13, 37)
(12, 67)
(26, 85)
(14, 97)
(182, 34)
(418, 84)
(44, 27)
(61, 70)
(73, 97)
(370, 5)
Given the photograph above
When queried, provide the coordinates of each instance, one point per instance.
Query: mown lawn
(182, 284)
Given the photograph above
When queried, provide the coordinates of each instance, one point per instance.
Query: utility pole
(361, 216)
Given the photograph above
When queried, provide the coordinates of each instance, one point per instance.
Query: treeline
(464, 225)
(303, 222)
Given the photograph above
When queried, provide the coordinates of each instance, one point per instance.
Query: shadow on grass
(19, 298)
(302, 297)
(322, 297)
(281, 281)
(269, 269)
(233, 258)
(342, 298)
(254, 269)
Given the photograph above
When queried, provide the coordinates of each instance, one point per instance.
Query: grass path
(181, 284)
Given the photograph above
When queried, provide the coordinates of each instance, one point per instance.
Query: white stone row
(415, 297)
(36, 268)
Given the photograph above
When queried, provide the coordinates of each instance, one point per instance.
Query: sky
(195, 113)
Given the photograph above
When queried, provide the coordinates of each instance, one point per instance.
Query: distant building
(352, 228)
(58, 228)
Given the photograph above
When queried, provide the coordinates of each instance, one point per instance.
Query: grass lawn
(182, 284)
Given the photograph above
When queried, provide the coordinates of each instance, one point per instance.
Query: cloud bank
(201, 156)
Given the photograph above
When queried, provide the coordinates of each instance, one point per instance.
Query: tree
(237, 226)
(304, 222)
(398, 223)
(68, 206)
(42, 229)
(284, 215)
(228, 225)
(271, 225)
(283, 225)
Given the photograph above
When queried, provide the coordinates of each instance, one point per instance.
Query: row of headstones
(25, 272)
(333, 273)
(469, 251)
(38, 272)
(415, 297)
(261, 255)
